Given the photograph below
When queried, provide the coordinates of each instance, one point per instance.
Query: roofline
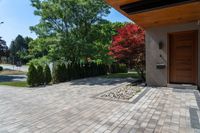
(149, 5)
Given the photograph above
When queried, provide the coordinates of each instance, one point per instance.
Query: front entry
(183, 57)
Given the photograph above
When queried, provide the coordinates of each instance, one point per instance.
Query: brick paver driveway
(71, 108)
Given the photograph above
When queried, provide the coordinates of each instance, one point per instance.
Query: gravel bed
(124, 93)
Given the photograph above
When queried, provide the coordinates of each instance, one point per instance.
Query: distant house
(172, 38)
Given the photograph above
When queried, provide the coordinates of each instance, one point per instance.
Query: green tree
(19, 49)
(24, 55)
(13, 51)
(70, 23)
(41, 47)
(101, 36)
(3, 49)
(27, 41)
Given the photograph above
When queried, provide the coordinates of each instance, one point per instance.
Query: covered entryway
(159, 18)
(183, 57)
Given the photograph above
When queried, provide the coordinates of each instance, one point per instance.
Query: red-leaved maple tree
(128, 46)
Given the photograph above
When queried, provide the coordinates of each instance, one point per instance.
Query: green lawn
(123, 75)
(15, 83)
(12, 72)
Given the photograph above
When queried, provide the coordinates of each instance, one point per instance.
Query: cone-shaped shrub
(72, 71)
(123, 68)
(76, 70)
(60, 73)
(87, 69)
(47, 75)
(118, 68)
(55, 73)
(40, 74)
(32, 78)
(92, 69)
(69, 71)
(104, 69)
(79, 71)
(114, 68)
(63, 74)
(82, 70)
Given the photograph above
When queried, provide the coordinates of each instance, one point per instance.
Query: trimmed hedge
(118, 68)
(55, 73)
(47, 75)
(62, 72)
(65, 72)
(38, 75)
(32, 78)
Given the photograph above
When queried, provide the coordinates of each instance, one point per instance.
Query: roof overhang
(153, 13)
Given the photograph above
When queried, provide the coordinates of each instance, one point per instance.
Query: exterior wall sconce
(160, 44)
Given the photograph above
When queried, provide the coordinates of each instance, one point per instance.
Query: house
(172, 39)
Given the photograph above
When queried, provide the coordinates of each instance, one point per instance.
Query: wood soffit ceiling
(181, 13)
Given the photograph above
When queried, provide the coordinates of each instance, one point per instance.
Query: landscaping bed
(125, 93)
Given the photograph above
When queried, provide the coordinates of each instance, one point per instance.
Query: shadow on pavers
(100, 81)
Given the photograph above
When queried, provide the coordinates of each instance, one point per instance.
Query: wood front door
(183, 57)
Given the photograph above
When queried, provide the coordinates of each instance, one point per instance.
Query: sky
(18, 16)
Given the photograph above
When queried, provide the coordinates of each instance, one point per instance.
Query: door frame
(169, 53)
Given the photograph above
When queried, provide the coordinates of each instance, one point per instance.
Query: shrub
(55, 74)
(102, 69)
(40, 74)
(32, 78)
(74, 71)
(78, 70)
(69, 72)
(123, 68)
(119, 68)
(1, 68)
(47, 75)
(60, 73)
(114, 68)
(82, 71)
(93, 69)
(87, 70)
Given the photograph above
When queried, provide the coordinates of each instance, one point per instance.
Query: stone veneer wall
(156, 77)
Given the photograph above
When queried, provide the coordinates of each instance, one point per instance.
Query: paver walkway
(71, 108)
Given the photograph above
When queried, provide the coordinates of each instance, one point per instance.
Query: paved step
(183, 86)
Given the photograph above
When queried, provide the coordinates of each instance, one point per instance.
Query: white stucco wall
(154, 76)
